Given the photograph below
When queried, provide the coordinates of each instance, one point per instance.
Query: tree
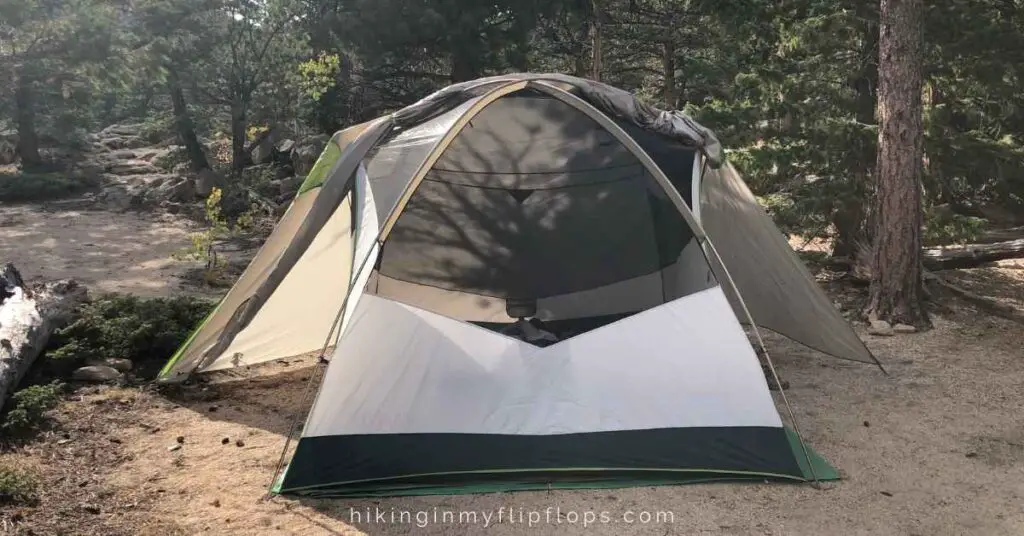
(44, 48)
(896, 273)
(258, 43)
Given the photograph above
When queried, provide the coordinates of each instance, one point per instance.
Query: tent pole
(768, 359)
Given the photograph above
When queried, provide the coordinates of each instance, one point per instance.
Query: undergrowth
(27, 408)
(29, 187)
(17, 487)
(145, 330)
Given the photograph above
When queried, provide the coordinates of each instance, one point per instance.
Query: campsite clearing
(935, 449)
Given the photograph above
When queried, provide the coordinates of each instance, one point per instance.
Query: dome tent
(420, 237)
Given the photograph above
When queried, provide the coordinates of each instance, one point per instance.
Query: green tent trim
(604, 478)
(322, 167)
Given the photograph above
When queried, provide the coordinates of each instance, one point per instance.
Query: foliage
(952, 229)
(29, 187)
(130, 327)
(17, 486)
(203, 243)
(28, 407)
(319, 74)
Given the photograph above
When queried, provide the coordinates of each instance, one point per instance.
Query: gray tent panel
(777, 288)
(613, 102)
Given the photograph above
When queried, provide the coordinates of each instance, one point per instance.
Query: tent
(422, 240)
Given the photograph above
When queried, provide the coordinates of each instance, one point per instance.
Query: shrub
(17, 487)
(28, 407)
(28, 187)
(146, 331)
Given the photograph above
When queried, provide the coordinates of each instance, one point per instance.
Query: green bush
(17, 487)
(28, 407)
(944, 229)
(28, 187)
(122, 326)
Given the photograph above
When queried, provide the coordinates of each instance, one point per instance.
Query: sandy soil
(107, 251)
(935, 448)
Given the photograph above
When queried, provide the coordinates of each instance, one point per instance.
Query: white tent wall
(400, 369)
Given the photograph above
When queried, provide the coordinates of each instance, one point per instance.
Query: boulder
(285, 146)
(206, 179)
(8, 148)
(121, 130)
(123, 142)
(132, 167)
(904, 328)
(117, 363)
(96, 373)
(880, 328)
(263, 152)
(182, 190)
(306, 151)
(170, 157)
(289, 185)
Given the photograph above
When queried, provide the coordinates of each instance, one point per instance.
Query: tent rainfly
(422, 242)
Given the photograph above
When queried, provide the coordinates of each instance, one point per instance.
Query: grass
(28, 407)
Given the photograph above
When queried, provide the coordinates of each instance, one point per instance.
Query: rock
(123, 155)
(181, 168)
(239, 443)
(174, 447)
(117, 363)
(122, 143)
(170, 157)
(180, 439)
(8, 148)
(306, 152)
(215, 503)
(182, 191)
(264, 149)
(285, 198)
(96, 373)
(225, 441)
(121, 130)
(132, 167)
(880, 328)
(904, 328)
(205, 181)
(289, 185)
(285, 146)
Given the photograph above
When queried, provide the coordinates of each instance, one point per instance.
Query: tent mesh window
(535, 203)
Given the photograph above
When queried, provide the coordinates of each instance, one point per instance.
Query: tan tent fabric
(191, 356)
(777, 288)
(298, 316)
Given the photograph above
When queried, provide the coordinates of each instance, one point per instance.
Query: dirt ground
(934, 448)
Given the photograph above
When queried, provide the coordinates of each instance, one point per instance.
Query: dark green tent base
(508, 480)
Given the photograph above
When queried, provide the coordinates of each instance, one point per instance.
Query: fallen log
(971, 255)
(999, 309)
(950, 257)
(28, 316)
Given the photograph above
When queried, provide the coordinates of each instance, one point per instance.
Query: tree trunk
(27, 319)
(668, 70)
(896, 290)
(25, 120)
(184, 125)
(239, 158)
(596, 43)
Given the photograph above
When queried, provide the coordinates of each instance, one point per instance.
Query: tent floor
(527, 480)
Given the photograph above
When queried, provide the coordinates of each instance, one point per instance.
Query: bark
(596, 43)
(25, 120)
(896, 290)
(27, 319)
(239, 112)
(184, 125)
(668, 70)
